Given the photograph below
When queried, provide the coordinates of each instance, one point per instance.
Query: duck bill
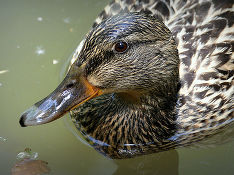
(68, 95)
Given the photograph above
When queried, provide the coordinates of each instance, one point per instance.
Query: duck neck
(111, 119)
(156, 111)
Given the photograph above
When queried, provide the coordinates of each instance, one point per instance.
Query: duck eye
(121, 46)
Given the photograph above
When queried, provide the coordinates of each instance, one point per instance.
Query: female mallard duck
(129, 90)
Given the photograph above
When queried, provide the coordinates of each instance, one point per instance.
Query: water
(37, 38)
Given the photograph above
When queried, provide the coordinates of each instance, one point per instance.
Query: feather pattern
(204, 33)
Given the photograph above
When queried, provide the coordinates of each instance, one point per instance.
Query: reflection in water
(27, 154)
(4, 71)
(71, 127)
(224, 135)
(28, 165)
(39, 19)
(40, 50)
(55, 61)
(164, 163)
(112, 151)
(2, 138)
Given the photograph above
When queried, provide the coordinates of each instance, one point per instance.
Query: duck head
(131, 54)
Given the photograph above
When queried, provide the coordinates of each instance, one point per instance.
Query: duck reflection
(150, 164)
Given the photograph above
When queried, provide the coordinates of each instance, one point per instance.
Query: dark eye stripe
(121, 46)
(94, 62)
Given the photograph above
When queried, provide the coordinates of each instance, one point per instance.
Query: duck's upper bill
(72, 91)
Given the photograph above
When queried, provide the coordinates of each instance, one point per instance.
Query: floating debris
(0, 86)
(55, 61)
(27, 165)
(3, 71)
(17, 46)
(1, 138)
(40, 19)
(27, 154)
(40, 50)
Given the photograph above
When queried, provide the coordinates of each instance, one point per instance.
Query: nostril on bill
(70, 85)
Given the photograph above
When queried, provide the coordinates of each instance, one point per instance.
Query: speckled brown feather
(204, 33)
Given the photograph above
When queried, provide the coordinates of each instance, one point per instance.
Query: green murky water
(36, 39)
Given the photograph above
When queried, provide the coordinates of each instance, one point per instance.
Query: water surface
(37, 37)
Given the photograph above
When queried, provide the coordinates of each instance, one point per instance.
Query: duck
(150, 76)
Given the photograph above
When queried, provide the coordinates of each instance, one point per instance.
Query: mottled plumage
(204, 34)
(151, 75)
